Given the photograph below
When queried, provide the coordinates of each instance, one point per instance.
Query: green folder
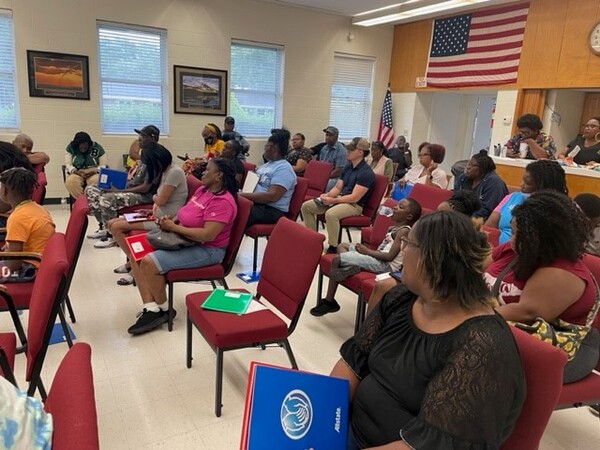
(228, 301)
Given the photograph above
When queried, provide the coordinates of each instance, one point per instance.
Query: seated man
(347, 197)
(276, 182)
(387, 257)
(83, 159)
(29, 226)
(334, 152)
(150, 133)
(25, 144)
(228, 128)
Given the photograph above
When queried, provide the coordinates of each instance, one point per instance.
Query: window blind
(9, 106)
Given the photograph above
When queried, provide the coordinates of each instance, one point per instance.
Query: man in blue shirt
(334, 152)
(347, 197)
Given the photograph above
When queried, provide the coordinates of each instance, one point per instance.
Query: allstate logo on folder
(296, 414)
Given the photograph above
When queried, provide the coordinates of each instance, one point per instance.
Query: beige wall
(198, 34)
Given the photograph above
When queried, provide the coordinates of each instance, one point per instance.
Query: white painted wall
(505, 109)
(568, 104)
(199, 34)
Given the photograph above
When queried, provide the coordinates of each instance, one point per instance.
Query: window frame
(7, 13)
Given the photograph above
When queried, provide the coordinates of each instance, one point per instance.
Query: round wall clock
(594, 39)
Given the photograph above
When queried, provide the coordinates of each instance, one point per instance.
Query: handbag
(167, 240)
(581, 343)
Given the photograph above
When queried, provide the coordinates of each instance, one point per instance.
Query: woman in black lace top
(433, 367)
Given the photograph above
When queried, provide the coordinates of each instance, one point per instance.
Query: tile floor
(147, 398)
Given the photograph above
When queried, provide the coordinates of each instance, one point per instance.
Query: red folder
(138, 246)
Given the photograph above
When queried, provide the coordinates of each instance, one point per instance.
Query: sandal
(123, 268)
(126, 281)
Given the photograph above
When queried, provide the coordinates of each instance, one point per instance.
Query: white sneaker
(105, 243)
(98, 234)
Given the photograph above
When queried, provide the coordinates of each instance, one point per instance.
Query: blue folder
(290, 409)
(112, 177)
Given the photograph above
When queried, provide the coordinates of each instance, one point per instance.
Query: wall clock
(594, 39)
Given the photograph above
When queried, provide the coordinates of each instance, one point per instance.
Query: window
(256, 90)
(133, 77)
(351, 95)
(9, 108)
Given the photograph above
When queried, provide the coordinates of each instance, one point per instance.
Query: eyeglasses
(590, 125)
(470, 164)
(406, 242)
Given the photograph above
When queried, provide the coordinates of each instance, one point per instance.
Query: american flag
(478, 49)
(386, 126)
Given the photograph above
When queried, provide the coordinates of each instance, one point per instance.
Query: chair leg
(349, 235)
(170, 310)
(290, 354)
(224, 283)
(37, 385)
(255, 255)
(188, 347)
(70, 309)
(361, 308)
(219, 383)
(213, 284)
(319, 286)
(19, 329)
(65, 327)
(7, 371)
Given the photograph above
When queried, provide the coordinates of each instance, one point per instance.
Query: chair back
(543, 367)
(237, 232)
(377, 192)
(75, 232)
(248, 167)
(297, 198)
(592, 262)
(193, 184)
(493, 235)
(291, 249)
(46, 295)
(317, 173)
(72, 402)
(429, 197)
(39, 192)
(373, 235)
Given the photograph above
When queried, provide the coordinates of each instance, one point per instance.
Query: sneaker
(332, 249)
(147, 321)
(167, 314)
(341, 273)
(123, 268)
(106, 243)
(324, 307)
(125, 280)
(595, 409)
(98, 234)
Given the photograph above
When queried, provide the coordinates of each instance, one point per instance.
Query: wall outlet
(507, 120)
(421, 82)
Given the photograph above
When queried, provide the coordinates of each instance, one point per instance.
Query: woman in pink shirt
(206, 218)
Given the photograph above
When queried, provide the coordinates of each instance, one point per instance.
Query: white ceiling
(341, 7)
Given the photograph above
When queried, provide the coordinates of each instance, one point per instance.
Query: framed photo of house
(200, 91)
(58, 75)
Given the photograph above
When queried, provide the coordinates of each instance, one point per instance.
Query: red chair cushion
(224, 329)
(352, 283)
(356, 221)
(8, 343)
(213, 272)
(260, 230)
(583, 391)
(366, 287)
(20, 293)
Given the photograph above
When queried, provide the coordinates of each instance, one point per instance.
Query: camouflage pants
(105, 205)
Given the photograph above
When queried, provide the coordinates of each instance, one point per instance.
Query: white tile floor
(147, 398)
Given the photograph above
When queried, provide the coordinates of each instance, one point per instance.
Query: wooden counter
(578, 180)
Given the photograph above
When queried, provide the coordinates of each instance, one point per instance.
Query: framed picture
(58, 75)
(200, 91)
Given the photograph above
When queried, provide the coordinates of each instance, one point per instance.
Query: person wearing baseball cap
(150, 133)
(334, 152)
(347, 197)
(229, 133)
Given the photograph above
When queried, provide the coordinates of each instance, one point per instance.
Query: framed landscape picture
(200, 91)
(58, 75)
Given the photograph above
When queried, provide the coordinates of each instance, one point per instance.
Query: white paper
(250, 183)
(255, 306)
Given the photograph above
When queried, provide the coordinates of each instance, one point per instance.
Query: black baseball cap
(149, 130)
(229, 119)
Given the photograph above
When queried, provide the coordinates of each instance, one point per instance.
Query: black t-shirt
(586, 154)
(362, 175)
(459, 389)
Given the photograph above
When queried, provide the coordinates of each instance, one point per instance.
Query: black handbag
(167, 240)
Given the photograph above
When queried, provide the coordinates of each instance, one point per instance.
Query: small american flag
(386, 127)
(478, 49)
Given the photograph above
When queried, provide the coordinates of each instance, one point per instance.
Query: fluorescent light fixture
(401, 12)
(385, 8)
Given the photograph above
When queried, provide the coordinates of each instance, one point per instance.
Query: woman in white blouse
(427, 171)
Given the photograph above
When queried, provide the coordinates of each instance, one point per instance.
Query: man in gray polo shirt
(334, 152)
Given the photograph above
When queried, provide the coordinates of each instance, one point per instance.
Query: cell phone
(319, 201)
(397, 276)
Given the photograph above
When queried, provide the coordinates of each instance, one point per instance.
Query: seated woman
(213, 141)
(542, 174)
(28, 227)
(433, 366)
(276, 182)
(590, 206)
(10, 156)
(169, 198)
(206, 219)
(588, 143)
(531, 142)
(299, 156)
(231, 152)
(480, 176)
(540, 271)
(427, 171)
(381, 164)
(83, 159)
(105, 205)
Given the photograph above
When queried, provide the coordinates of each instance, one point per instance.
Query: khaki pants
(75, 183)
(333, 215)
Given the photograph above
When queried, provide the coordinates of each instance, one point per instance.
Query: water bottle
(386, 211)
(63, 203)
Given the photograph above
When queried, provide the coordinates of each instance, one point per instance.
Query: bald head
(24, 143)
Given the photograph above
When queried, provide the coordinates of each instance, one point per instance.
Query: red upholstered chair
(586, 391)
(317, 173)
(373, 235)
(493, 235)
(46, 297)
(72, 402)
(265, 230)
(248, 167)
(291, 249)
(215, 272)
(39, 192)
(369, 210)
(429, 197)
(8, 347)
(543, 366)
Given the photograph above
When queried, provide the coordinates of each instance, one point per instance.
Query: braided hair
(11, 156)
(229, 182)
(549, 227)
(548, 175)
(20, 181)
